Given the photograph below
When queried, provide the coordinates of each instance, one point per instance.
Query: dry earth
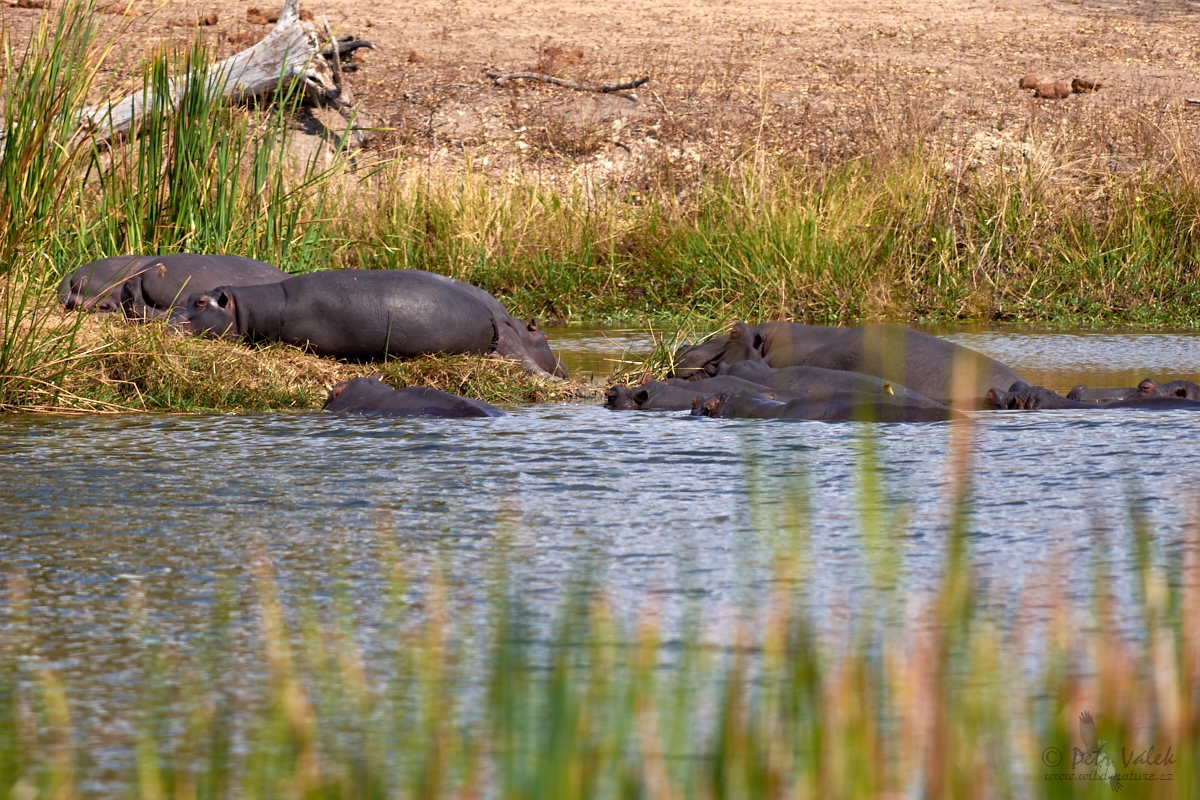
(801, 76)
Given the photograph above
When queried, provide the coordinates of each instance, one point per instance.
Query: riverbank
(1070, 215)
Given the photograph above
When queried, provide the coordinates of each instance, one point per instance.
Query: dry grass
(143, 367)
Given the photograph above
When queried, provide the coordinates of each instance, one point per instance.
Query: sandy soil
(810, 73)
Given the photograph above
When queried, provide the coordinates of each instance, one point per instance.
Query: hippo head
(356, 392)
(213, 312)
(995, 399)
(620, 398)
(1184, 389)
(743, 345)
(77, 291)
(697, 361)
(707, 406)
(539, 350)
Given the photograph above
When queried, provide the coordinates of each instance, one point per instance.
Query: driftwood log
(290, 52)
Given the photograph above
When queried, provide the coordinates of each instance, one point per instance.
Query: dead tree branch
(501, 78)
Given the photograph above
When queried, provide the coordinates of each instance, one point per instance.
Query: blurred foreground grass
(955, 695)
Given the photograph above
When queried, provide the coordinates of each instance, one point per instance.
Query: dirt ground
(806, 74)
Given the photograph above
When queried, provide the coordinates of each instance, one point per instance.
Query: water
(97, 509)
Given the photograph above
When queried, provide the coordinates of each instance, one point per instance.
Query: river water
(95, 509)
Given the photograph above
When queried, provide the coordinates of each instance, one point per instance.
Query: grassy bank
(1012, 226)
(959, 694)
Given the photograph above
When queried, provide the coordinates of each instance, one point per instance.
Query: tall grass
(196, 175)
(41, 91)
(953, 696)
(915, 234)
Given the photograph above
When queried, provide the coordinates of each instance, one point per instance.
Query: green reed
(936, 700)
(41, 92)
(194, 174)
(897, 235)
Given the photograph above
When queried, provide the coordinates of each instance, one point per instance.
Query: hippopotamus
(778, 343)
(1022, 396)
(518, 340)
(677, 395)
(818, 385)
(894, 353)
(840, 407)
(923, 363)
(786, 344)
(148, 287)
(1147, 388)
(366, 314)
(373, 396)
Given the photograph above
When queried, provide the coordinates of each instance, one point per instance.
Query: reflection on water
(91, 507)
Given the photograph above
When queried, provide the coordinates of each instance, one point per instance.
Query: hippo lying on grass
(147, 287)
(371, 314)
(373, 396)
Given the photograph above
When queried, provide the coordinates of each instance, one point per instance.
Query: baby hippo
(373, 396)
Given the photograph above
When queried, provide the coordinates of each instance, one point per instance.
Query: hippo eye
(201, 302)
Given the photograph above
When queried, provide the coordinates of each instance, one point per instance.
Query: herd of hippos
(777, 370)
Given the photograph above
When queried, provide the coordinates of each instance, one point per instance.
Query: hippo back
(923, 363)
(373, 313)
(372, 396)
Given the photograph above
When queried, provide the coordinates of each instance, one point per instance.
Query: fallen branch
(288, 53)
(501, 78)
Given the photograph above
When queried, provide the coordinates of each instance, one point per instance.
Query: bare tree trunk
(289, 52)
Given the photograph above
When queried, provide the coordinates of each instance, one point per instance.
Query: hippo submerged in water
(147, 287)
(373, 396)
(839, 407)
(371, 314)
(929, 366)
(1022, 396)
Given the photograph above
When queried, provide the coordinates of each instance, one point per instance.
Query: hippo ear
(640, 396)
(532, 326)
(646, 379)
(378, 375)
(224, 300)
(1179, 391)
